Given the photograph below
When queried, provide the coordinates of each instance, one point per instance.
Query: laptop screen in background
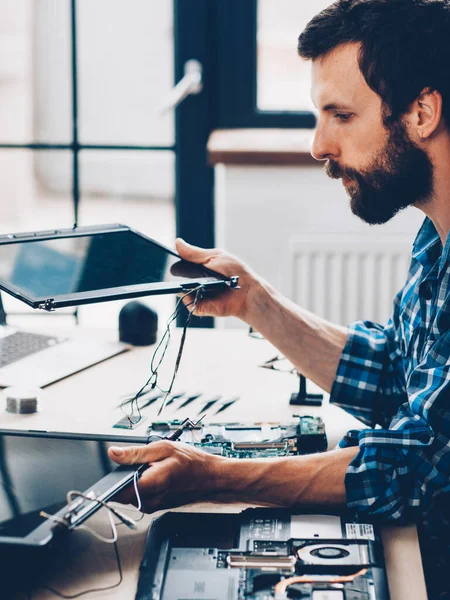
(46, 268)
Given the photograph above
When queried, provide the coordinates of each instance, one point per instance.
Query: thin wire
(112, 540)
(158, 357)
(165, 339)
(108, 505)
(100, 537)
(137, 491)
(138, 497)
(180, 350)
(54, 518)
(92, 590)
(85, 527)
(116, 513)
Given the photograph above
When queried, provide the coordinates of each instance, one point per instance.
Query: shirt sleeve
(399, 471)
(370, 380)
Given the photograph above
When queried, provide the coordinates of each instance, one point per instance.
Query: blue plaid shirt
(397, 377)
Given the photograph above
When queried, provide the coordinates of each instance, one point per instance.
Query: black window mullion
(236, 52)
(237, 27)
(75, 146)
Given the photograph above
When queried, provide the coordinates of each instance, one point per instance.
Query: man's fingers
(126, 496)
(138, 455)
(192, 253)
(152, 487)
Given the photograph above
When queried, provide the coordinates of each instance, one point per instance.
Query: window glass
(51, 70)
(283, 79)
(15, 65)
(32, 195)
(34, 48)
(35, 84)
(125, 53)
(131, 187)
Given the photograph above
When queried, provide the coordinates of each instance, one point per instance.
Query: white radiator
(344, 278)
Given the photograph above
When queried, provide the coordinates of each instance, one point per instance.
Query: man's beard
(400, 176)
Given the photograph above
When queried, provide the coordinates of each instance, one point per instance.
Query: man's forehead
(337, 79)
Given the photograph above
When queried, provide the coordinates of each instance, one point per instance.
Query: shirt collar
(445, 253)
(426, 237)
(427, 241)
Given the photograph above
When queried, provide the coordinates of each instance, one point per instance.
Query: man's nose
(323, 146)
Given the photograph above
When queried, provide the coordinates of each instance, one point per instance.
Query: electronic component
(129, 422)
(259, 555)
(304, 398)
(304, 435)
(22, 400)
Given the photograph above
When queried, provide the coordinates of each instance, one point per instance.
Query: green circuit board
(304, 435)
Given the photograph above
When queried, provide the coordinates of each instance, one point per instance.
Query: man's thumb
(126, 456)
(192, 253)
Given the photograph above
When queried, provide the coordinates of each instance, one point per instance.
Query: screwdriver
(227, 404)
(188, 400)
(210, 403)
(173, 397)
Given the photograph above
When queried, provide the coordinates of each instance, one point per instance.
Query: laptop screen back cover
(70, 267)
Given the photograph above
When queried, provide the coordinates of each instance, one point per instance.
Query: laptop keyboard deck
(24, 343)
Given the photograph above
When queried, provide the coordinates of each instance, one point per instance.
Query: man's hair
(404, 47)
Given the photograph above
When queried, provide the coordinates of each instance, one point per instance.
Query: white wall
(260, 211)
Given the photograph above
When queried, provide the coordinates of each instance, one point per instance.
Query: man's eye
(344, 117)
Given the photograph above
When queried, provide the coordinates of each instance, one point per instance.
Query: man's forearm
(312, 344)
(286, 482)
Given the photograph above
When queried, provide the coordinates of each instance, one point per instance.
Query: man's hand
(181, 474)
(229, 302)
(178, 474)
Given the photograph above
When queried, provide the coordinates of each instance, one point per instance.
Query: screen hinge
(48, 305)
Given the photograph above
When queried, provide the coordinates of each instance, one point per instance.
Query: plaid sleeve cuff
(387, 477)
(374, 486)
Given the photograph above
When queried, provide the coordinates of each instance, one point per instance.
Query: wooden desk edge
(403, 563)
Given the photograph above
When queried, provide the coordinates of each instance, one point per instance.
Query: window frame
(74, 145)
(237, 25)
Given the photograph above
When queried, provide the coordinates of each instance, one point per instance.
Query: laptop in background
(34, 359)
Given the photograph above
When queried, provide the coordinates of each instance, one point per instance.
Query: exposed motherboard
(304, 435)
(262, 554)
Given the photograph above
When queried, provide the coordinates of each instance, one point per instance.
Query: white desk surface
(214, 362)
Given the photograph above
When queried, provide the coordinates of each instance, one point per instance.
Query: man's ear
(426, 113)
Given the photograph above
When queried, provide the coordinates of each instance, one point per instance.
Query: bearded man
(381, 87)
